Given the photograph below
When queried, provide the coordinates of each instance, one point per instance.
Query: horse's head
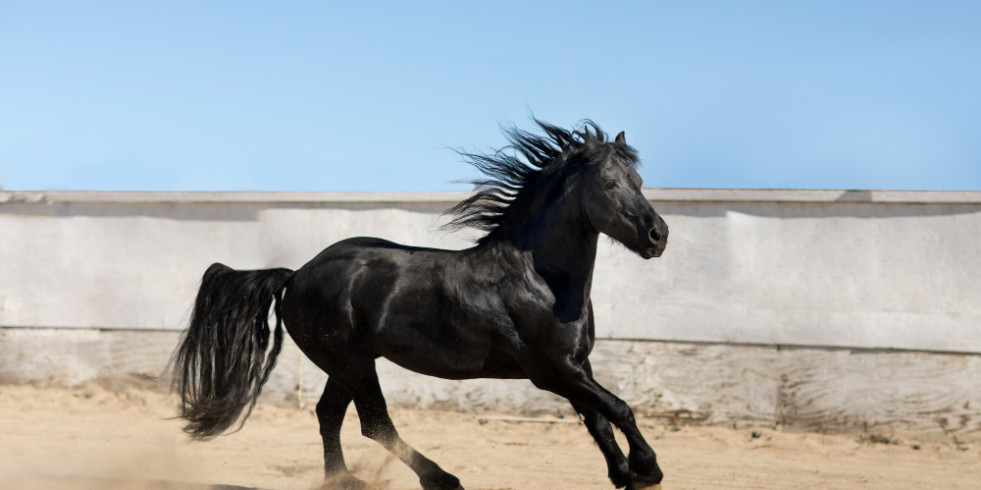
(573, 173)
(613, 200)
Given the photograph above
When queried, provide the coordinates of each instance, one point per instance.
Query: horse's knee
(622, 412)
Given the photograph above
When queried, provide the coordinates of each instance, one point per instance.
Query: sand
(94, 437)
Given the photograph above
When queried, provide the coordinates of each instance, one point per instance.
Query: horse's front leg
(572, 381)
(599, 427)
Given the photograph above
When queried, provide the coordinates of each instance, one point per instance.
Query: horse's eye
(611, 184)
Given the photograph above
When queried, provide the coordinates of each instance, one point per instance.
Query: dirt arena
(96, 438)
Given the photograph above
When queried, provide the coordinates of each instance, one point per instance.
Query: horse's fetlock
(620, 475)
(644, 468)
(642, 458)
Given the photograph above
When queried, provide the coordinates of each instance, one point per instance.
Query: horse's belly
(463, 360)
(440, 368)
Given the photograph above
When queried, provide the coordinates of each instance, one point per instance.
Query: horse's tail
(222, 363)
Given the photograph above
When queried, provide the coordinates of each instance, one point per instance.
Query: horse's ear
(587, 137)
(621, 138)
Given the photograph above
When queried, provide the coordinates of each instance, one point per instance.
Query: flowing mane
(515, 173)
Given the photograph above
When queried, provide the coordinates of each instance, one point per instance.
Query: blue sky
(371, 96)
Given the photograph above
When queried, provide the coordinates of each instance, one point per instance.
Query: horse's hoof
(445, 481)
(647, 481)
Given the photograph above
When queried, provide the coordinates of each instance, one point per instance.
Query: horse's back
(425, 309)
(326, 281)
(350, 278)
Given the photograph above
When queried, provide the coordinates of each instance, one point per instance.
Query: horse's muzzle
(657, 237)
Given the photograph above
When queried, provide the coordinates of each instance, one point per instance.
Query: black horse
(516, 305)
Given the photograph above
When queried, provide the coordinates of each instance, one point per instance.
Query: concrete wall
(810, 309)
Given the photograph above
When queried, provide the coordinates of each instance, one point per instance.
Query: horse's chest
(545, 332)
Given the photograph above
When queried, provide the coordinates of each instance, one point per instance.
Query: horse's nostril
(655, 236)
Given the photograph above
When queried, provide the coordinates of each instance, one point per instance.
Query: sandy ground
(96, 438)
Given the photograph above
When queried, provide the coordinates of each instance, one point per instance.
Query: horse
(516, 305)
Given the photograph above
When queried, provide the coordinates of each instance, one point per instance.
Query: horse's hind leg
(376, 424)
(330, 413)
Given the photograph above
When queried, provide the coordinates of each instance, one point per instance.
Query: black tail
(221, 364)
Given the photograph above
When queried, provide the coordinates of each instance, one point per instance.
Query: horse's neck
(570, 256)
(561, 245)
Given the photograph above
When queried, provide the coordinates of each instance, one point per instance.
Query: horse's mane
(514, 170)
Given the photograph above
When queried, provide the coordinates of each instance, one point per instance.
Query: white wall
(895, 270)
(816, 310)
